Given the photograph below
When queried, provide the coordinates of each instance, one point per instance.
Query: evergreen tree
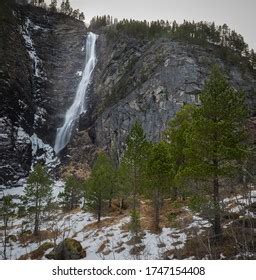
(37, 193)
(122, 183)
(135, 159)
(159, 174)
(68, 9)
(53, 5)
(215, 141)
(81, 16)
(99, 185)
(76, 13)
(176, 137)
(7, 210)
(253, 59)
(62, 7)
(72, 194)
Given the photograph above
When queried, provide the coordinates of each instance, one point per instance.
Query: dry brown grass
(104, 223)
(102, 246)
(235, 241)
(43, 235)
(80, 171)
(38, 253)
(170, 214)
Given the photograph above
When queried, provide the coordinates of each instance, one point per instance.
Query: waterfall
(79, 106)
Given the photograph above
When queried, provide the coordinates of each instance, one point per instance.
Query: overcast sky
(238, 14)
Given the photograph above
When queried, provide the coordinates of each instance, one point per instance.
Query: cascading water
(78, 107)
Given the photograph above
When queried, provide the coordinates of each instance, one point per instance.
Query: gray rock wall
(40, 55)
(149, 82)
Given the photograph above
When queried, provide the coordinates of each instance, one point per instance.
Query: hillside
(94, 85)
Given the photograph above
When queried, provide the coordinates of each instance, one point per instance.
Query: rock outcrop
(69, 249)
(149, 81)
(41, 55)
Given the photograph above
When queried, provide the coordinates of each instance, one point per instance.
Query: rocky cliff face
(41, 54)
(149, 82)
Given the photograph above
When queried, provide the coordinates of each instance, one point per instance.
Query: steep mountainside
(41, 53)
(149, 81)
(42, 56)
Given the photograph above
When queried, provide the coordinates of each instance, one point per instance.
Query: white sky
(238, 14)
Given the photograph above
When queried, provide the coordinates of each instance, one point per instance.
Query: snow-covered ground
(239, 204)
(110, 241)
(112, 238)
(18, 192)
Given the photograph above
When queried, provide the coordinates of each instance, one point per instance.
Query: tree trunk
(135, 191)
(72, 200)
(217, 217)
(99, 215)
(99, 210)
(5, 237)
(157, 210)
(110, 203)
(174, 193)
(36, 227)
(37, 206)
(121, 204)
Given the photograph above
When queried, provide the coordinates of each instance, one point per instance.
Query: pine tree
(76, 13)
(122, 183)
(62, 7)
(176, 138)
(53, 5)
(67, 7)
(135, 158)
(253, 59)
(7, 210)
(72, 194)
(81, 16)
(99, 185)
(37, 193)
(215, 141)
(159, 174)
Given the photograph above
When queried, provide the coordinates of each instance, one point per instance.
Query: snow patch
(40, 150)
(48, 154)
(79, 73)
(39, 117)
(22, 136)
(26, 33)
